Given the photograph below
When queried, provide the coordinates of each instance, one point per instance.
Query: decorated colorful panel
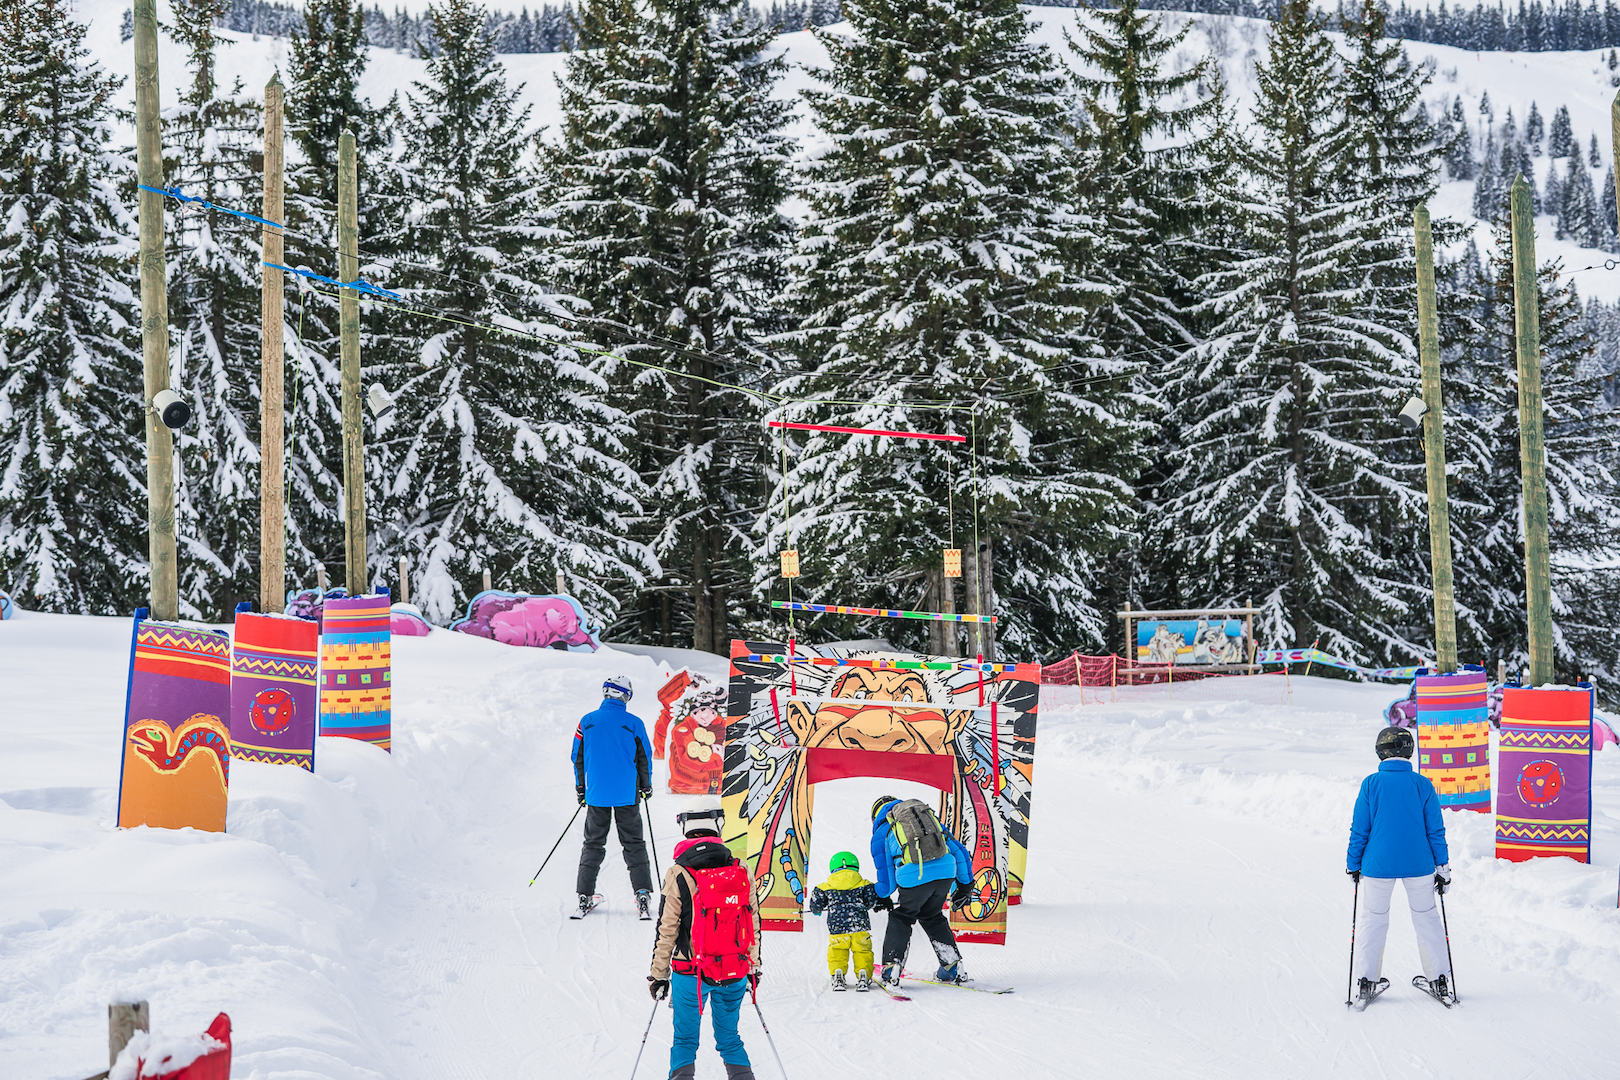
(1544, 774)
(844, 712)
(177, 746)
(274, 695)
(356, 669)
(1454, 738)
(692, 725)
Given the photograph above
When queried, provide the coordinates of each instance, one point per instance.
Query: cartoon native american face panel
(788, 729)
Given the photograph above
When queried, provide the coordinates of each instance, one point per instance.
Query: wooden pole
(562, 586)
(404, 581)
(320, 578)
(124, 1019)
(486, 579)
(354, 447)
(1532, 449)
(1434, 448)
(165, 592)
(272, 362)
(987, 599)
(971, 599)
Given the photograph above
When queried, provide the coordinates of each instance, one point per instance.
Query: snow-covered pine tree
(1146, 163)
(1488, 188)
(943, 262)
(214, 318)
(1392, 168)
(1460, 164)
(1594, 156)
(323, 98)
(1583, 497)
(1292, 474)
(1561, 136)
(1580, 215)
(502, 452)
(72, 457)
(672, 232)
(1534, 128)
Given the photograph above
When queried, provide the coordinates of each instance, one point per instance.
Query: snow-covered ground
(1186, 912)
(1579, 80)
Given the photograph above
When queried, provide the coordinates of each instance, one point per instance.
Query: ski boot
(951, 974)
(1442, 988)
(1367, 990)
(838, 981)
(863, 982)
(586, 903)
(891, 973)
(644, 905)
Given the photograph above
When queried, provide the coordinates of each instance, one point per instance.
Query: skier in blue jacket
(924, 886)
(1397, 834)
(612, 772)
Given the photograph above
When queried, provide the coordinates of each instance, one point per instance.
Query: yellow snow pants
(839, 946)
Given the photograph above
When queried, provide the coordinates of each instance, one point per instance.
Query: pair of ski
(596, 902)
(1418, 981)
(898, 996)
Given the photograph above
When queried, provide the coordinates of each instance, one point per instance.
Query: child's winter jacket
(1397, 830)
(846, 897)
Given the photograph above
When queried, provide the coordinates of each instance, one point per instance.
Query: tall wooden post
(1532, 448)
(970, 589)
(1434, 448)
(124, 1019)
(165, 593)
(272, 362)
(354, 446)
(986, 603)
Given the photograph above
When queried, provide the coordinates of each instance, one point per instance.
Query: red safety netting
(1105, 679)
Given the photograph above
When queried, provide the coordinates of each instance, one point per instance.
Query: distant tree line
(547, 29)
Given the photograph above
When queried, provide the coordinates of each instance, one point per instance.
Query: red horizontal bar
(870, 431)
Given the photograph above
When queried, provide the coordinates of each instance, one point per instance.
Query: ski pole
(1447, 929)
(558, 844)
(658, 875)
(1351, 981)
(644, 1035)
(768, 1038)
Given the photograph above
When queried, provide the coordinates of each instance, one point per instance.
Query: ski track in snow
(1186, 912)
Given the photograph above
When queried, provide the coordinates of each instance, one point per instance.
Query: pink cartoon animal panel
(539, 622)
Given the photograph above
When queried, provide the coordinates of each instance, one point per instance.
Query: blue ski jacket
(612, 756)
(1397, 830)
(892, 870)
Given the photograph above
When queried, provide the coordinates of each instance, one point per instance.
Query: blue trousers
(724, 1003)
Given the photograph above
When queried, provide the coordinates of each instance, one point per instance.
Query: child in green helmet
(846, 898)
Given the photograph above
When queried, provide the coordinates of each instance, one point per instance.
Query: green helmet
(844, 860)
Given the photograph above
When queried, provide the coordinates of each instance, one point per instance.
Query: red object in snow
(214, 1065)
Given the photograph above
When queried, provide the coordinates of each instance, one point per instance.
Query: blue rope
(358, 284)
(206, 205)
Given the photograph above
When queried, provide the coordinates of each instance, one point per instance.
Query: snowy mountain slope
(1186, 912)
(1579, 80)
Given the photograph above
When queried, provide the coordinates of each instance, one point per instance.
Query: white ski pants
(1377, 897)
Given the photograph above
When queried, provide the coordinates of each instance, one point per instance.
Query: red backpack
(722, 922)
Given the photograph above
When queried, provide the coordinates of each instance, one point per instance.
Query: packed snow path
(1186, 915)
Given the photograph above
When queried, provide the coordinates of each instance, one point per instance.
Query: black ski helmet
(883, 800)
(1395, 742)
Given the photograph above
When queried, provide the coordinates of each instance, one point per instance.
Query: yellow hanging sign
(790, 563)
(953, 562)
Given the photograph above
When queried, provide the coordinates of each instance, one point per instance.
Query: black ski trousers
(921, 904)
(630, 839)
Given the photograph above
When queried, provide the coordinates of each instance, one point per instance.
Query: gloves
(581, 793)
(1355, 876)
(963, 893)
(883, 903)
(753, 979)
(1442, 878)
(658, 988)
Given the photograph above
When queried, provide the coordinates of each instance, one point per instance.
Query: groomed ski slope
(1186, 914)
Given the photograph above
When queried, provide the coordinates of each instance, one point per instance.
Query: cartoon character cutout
(693, 715)
(1163, 645)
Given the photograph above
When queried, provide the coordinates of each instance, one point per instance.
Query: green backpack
(918, 832)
